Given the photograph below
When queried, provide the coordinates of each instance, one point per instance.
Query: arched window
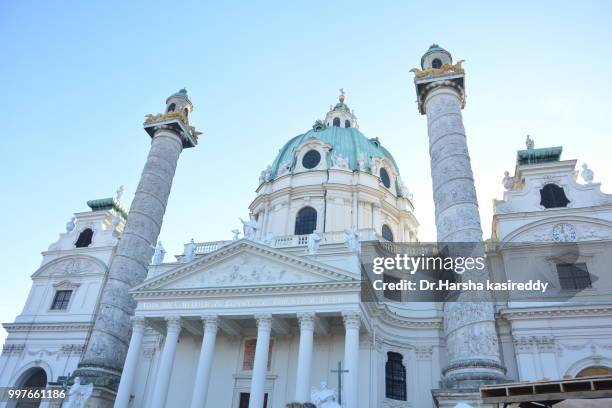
(395, 377)
(306, 221)
(384, 177)
(436, 63)
(553, 196)
(171, 107)
(186, 112)
(347, 123)
(387, 233)
(84, 239)
(311, 159)
(337, 122)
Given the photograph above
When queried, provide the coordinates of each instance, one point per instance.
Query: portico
(304, 325)
(285, 313)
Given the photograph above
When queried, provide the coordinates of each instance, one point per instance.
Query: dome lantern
(179, 102)
(435, 57)
(340, 115)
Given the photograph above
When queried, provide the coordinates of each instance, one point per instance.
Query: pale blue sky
(78, 78)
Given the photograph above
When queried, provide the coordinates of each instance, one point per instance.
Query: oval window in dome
(384, 177)
(436, 63)
(311, 159)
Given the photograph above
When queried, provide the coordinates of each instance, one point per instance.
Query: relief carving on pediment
(242, 272)
(73, 266)
(584, 232)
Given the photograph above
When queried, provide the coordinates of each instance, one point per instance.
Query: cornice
(29, 327)
(556, 311)
(383, 314)
(319, 288)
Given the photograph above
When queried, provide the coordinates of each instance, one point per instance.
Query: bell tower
(469, 324)
(106, 350)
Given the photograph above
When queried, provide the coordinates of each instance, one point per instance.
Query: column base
(450, 398)
(102, 397)
(98, 376)
(472, 374)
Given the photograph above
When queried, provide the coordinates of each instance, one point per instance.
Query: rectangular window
(61, 300)
(249, 354)
(574, 276)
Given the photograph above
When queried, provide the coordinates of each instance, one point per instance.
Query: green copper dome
(346, 142)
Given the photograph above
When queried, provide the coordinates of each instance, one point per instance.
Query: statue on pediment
(314, 242)
(352, 239)
(70, 225)
(249, 227)
(158, 255)
(507, 181)
(189, 252)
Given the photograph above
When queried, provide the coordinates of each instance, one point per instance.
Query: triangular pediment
(244, 264)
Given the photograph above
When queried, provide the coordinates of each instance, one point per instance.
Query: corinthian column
(108, 344)
(200, 389)
(302, 382)
(131, 362)
(352, 324)
(469, 323)
(166, 361)
(260, 365)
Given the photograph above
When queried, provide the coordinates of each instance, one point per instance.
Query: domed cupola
(340, 115)
(331, 179)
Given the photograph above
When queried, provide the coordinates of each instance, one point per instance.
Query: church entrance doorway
(244, 400)
(34, 377)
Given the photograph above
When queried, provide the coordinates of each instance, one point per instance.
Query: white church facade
(275, 316)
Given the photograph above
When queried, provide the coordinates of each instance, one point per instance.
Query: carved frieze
(243, 271)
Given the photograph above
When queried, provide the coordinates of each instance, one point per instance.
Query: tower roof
(434, 48)
(542, 155)
(181, 93)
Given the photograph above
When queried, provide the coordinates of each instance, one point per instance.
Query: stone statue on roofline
(249, 227)
(352, 239)
(314, 242)
(189, 252)
(507, 181)
(158, 255)
(529, 142)
(265, 175)
(587, 174)
(70, 225)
